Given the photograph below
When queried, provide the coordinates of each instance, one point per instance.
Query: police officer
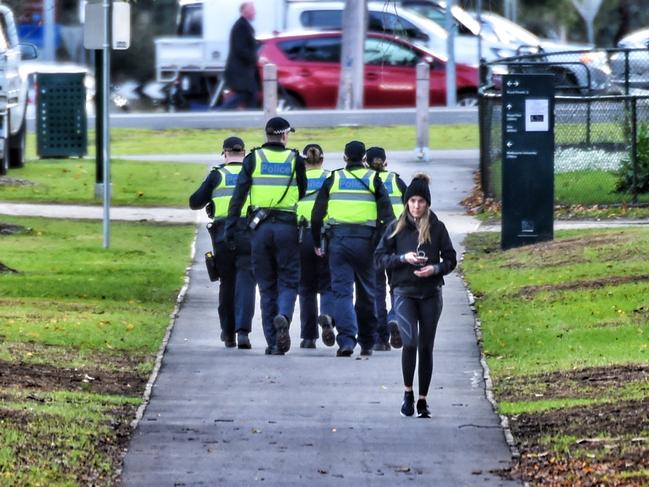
(314, 269)
(237, 288)
(396, 187)
(271, 181)
(355, 203)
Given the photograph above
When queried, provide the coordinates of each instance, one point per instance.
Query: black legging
(417, 319)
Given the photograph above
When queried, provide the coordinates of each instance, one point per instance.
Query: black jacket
(203, 195)
(241, 66)
(384, 207)
(244, 182)
(402, 279)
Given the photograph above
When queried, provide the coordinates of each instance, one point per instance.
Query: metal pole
(423, 102)
(634, 149)
(99, 123)
(49, 39)
(270, 91)
(479, 16)
(451, 98)
(106, 129)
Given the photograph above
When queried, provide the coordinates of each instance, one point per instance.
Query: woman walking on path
(417, 251)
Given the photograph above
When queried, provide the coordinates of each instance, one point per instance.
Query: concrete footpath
(239, 417)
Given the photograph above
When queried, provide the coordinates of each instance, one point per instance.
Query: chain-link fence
(601, 125)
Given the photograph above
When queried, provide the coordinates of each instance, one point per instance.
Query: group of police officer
(283, 222)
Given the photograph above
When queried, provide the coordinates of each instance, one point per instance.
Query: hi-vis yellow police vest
(315, 178)
(390, 182)
(222, 194)
(274, 170)
(352, 198)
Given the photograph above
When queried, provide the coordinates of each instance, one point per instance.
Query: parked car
(638, 61)
(308, 71)
(390, 18)
(579, 69)
(13, 91)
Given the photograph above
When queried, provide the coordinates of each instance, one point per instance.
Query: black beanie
(418, 187)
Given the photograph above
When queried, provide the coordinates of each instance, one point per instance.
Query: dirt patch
(529, 291)
(588, 383)
(7, 181)
(7, 270)
(47, 378)
(608, 444)
(103, 454)
(70, 358)
(8, 229)
(624, 417)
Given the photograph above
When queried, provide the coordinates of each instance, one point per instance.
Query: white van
(13, 93)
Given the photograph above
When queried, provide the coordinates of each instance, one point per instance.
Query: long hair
(424, 223)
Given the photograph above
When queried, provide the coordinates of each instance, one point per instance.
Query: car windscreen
(190, 21)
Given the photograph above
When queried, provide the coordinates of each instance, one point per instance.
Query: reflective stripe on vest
(316, 178)
(390, 182)
(350, 200)
(222, 194)
(272, 174)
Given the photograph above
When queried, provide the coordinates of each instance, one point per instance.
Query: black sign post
(528, 159)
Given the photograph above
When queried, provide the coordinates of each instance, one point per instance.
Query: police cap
(355, 150)
(375, 153)
(233, 144)
(278, 126)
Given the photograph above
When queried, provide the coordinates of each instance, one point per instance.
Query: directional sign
(527, 159)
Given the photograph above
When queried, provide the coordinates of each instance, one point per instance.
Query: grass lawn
(565, 331)
(79, 329)
(134, 183)
(191, 141)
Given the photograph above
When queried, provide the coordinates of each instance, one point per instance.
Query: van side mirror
(28, 52)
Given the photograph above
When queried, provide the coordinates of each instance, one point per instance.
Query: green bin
(61, 120)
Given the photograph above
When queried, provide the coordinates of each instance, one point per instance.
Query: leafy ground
(79, 329)
(565, 331)
(192, 141)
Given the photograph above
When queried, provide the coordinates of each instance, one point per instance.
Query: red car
(308, 71)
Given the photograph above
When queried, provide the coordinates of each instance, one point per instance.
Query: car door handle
(304, 73)
(371, 76)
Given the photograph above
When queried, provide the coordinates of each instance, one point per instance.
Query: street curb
(486, 373)
(165, 341)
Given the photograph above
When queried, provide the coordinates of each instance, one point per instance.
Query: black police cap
(234, 144)
(355, 150)
(375, 153)
(278, 126)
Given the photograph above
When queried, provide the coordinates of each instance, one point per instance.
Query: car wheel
(467, 100)
(4, 161)
(287, 102)
(17, 147)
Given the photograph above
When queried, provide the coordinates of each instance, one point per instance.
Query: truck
(191, 64)
(13, 93)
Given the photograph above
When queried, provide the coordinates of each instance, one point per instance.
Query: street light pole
(105, 129)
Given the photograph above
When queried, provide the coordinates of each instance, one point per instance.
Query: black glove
(209, 209)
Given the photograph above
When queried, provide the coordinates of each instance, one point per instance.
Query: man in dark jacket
(355, 203)
(241, 66)
(271, 182)
(237, 289)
